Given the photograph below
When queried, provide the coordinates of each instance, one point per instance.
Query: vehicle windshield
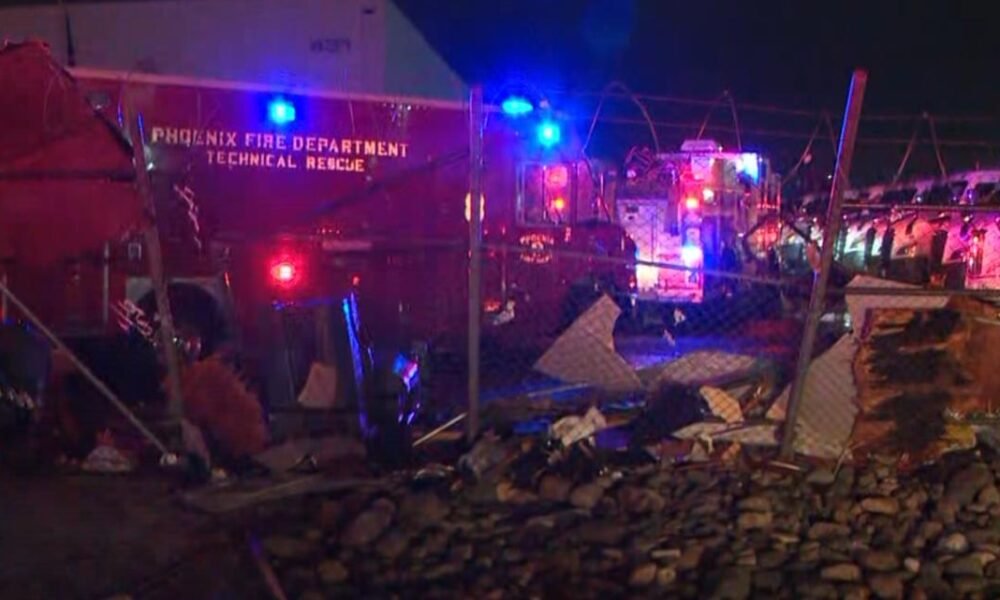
(987, 193)
(944, 193)
(901, 196)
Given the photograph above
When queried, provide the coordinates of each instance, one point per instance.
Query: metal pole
(817, 300)
(105, 286)
(175, 407)
(4, 310)
(7, 294)
(475, 251)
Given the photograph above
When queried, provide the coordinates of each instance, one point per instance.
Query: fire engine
(270, 198)
(693, 209)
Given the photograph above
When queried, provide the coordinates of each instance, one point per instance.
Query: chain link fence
(899, 362)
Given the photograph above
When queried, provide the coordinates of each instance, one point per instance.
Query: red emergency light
(284, 271)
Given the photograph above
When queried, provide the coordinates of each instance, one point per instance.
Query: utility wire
(773, 109)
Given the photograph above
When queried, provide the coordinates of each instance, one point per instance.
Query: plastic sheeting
(585, 352)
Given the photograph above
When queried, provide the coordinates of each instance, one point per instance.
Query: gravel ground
(707, 531)
(94, 537)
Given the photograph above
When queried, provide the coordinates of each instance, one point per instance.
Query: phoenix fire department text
(250, 149)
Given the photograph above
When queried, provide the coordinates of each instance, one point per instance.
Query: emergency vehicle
(917, 231)
(691, 210)
(269, 198)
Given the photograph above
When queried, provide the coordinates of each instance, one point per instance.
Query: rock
(754, 504)
(768, 581)
(888, 586)
(879, 560)
(423, 509)
(988, 496)
(930, 530)
(601, 532)
(984, 558)
(912, 565)
(821, 477)
(443, 571)
(993, 570)
(288, 548)
(854, 591)
(968, 482)
(332, 572)
(966, 585)
(915, 500)
(666, 576)
(366, 527)
(964, 565)
(554, 488)
(825, 530)
(880, 505)
(665, 554)
(586, 496)
(329, 514)
(847, 572)
(771, 559)
(638, 500)
(809, 552)
(954, 543)
(785, 538)
(392, 545)
(843, 483)
(643, 575)
(747, 558)
(461, 553)
(754, 520)
(867, 483)
(816, 589)
(734, 584)
(690, 557)
(512, 555)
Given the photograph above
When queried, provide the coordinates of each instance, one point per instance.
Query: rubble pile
(698, 531)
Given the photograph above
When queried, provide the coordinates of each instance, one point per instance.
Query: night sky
(942, 57)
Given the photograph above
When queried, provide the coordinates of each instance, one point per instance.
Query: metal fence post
(175, 406)
(475, 251)
(817, 299)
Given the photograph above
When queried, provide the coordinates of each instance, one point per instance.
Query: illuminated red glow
(692, 203)
(559, 204)
(557, 176)
(283, 272)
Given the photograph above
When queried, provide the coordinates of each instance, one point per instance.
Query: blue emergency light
(516, 106)
(549, 133)
(280, 111)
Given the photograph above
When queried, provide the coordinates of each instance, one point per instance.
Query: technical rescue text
(247, 149)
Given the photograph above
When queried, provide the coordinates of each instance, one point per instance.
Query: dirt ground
(80, 536)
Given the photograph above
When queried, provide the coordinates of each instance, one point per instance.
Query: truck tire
(198, 319)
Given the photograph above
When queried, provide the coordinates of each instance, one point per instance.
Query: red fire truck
(693, 209)
(269, 197)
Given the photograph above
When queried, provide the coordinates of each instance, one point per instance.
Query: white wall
(350, 45)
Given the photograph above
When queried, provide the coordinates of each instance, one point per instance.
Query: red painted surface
(362, 193)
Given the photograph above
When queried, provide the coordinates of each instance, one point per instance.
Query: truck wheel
(198, 319)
